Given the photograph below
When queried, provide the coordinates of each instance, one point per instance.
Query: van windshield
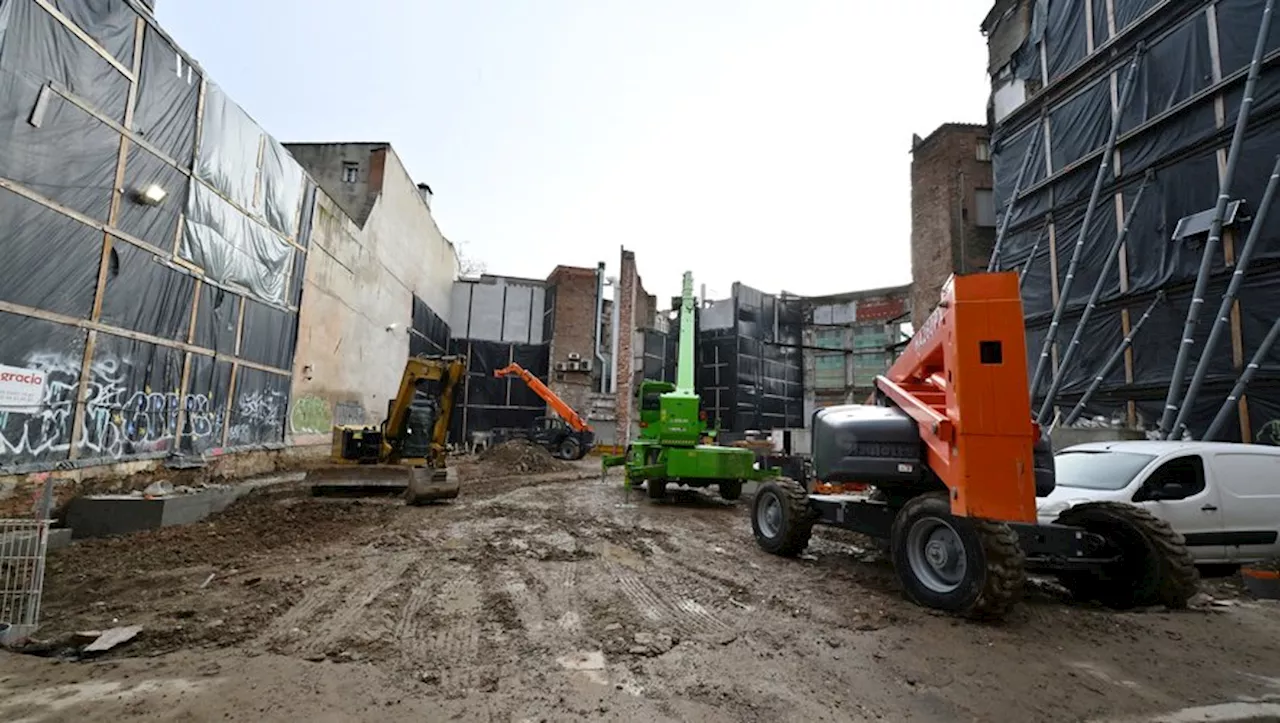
(1098, 470)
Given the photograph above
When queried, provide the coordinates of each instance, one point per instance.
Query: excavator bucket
(430, 485)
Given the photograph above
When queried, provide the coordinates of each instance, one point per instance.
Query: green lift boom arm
(684, 359)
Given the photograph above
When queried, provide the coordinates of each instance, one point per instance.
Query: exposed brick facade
(947, 174)
(573, 333)
(625, 304)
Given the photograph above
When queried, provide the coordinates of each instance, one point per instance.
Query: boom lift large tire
(961, 565)
(1155, 567)
(781, 518)
(657, 488)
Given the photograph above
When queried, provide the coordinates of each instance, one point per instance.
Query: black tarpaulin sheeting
(1066, 38)
(168, 96)
(64, 153)
(156, 225)
(268, 336)
(81, 174)
(41, 435)
(259, 410)
(1238, 22)
(485, 402)
(39, 245)
(1073, 125)
(1172, 70)
(216, 317)
(430, 333)
(1128, 11)
(109, 22)
(38, 48)
(144, 295)
(206, 405)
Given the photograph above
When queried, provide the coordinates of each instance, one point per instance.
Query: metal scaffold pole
(1228, 299)
(1174, 398)
(1032, 145)
(1046, 409)
(1111, 362)
(1126, 93)
(1228, 405)
(1022, 275)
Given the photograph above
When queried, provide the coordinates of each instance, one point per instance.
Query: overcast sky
(762, 141)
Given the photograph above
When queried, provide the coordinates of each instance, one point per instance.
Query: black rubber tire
(568, 449)
(730, 489)
(1155, 566)
(994, 562)
(797, 518)
(657, 488)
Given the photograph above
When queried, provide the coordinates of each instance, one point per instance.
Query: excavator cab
(408, 449)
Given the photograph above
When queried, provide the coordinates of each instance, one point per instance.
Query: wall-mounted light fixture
(150, 195)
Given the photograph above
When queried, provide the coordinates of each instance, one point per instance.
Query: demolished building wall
(155, 237)
(377, 289)
(1059, 89)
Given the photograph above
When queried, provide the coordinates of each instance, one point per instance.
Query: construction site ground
(554, 596)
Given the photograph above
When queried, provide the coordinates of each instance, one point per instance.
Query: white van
(1224, 498)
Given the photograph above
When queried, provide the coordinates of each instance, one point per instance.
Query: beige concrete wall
(359, 282)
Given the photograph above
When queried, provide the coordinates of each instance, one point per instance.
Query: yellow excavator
(409, 449)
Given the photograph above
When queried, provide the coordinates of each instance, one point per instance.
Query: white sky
(762, 141)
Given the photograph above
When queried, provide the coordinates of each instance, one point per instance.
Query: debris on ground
(537, 598)
(520, 456)
(112, 638)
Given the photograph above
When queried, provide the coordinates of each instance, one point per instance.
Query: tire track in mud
(338, 612)
(450, 644)
(669, 597)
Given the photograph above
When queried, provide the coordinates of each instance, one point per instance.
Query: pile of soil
(520, 456)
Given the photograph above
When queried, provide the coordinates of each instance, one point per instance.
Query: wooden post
(104, 260)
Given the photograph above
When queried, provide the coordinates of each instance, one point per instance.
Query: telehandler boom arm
(561, 408)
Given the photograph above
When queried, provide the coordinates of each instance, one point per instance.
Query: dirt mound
(520, 456)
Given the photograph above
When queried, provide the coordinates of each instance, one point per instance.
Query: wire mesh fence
(23, 544)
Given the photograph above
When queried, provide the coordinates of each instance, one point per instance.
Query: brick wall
(573, 332)
(625, 304)
(946, 174)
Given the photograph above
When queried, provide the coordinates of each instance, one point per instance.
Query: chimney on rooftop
(425, 190)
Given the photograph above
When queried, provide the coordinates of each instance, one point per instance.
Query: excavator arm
(561, 408)
(425, 394)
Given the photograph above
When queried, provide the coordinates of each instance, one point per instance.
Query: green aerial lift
(669, 449)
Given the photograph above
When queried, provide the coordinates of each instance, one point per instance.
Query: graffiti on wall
(258, 416)
(121, 421)
(310, 415)
(118, 421)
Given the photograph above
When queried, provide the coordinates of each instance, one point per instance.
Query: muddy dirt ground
(546, 598)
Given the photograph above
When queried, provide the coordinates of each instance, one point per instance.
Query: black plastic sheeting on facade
(1177, 128)
(260, 409)
(429, 334)
(486, 402)
(53, 88)
(749, 374)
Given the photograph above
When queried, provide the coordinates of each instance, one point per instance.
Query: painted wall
(357, 299)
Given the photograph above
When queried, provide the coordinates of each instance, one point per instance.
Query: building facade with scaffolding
(1133, 145)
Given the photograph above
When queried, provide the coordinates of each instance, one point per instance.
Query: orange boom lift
(956, 462)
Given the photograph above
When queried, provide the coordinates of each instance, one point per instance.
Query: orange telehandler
(956, 463)
(567, 436)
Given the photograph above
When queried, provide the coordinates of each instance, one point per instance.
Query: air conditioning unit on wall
(573, 366)
(584, 365)
(561, 366)
(573, 356)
